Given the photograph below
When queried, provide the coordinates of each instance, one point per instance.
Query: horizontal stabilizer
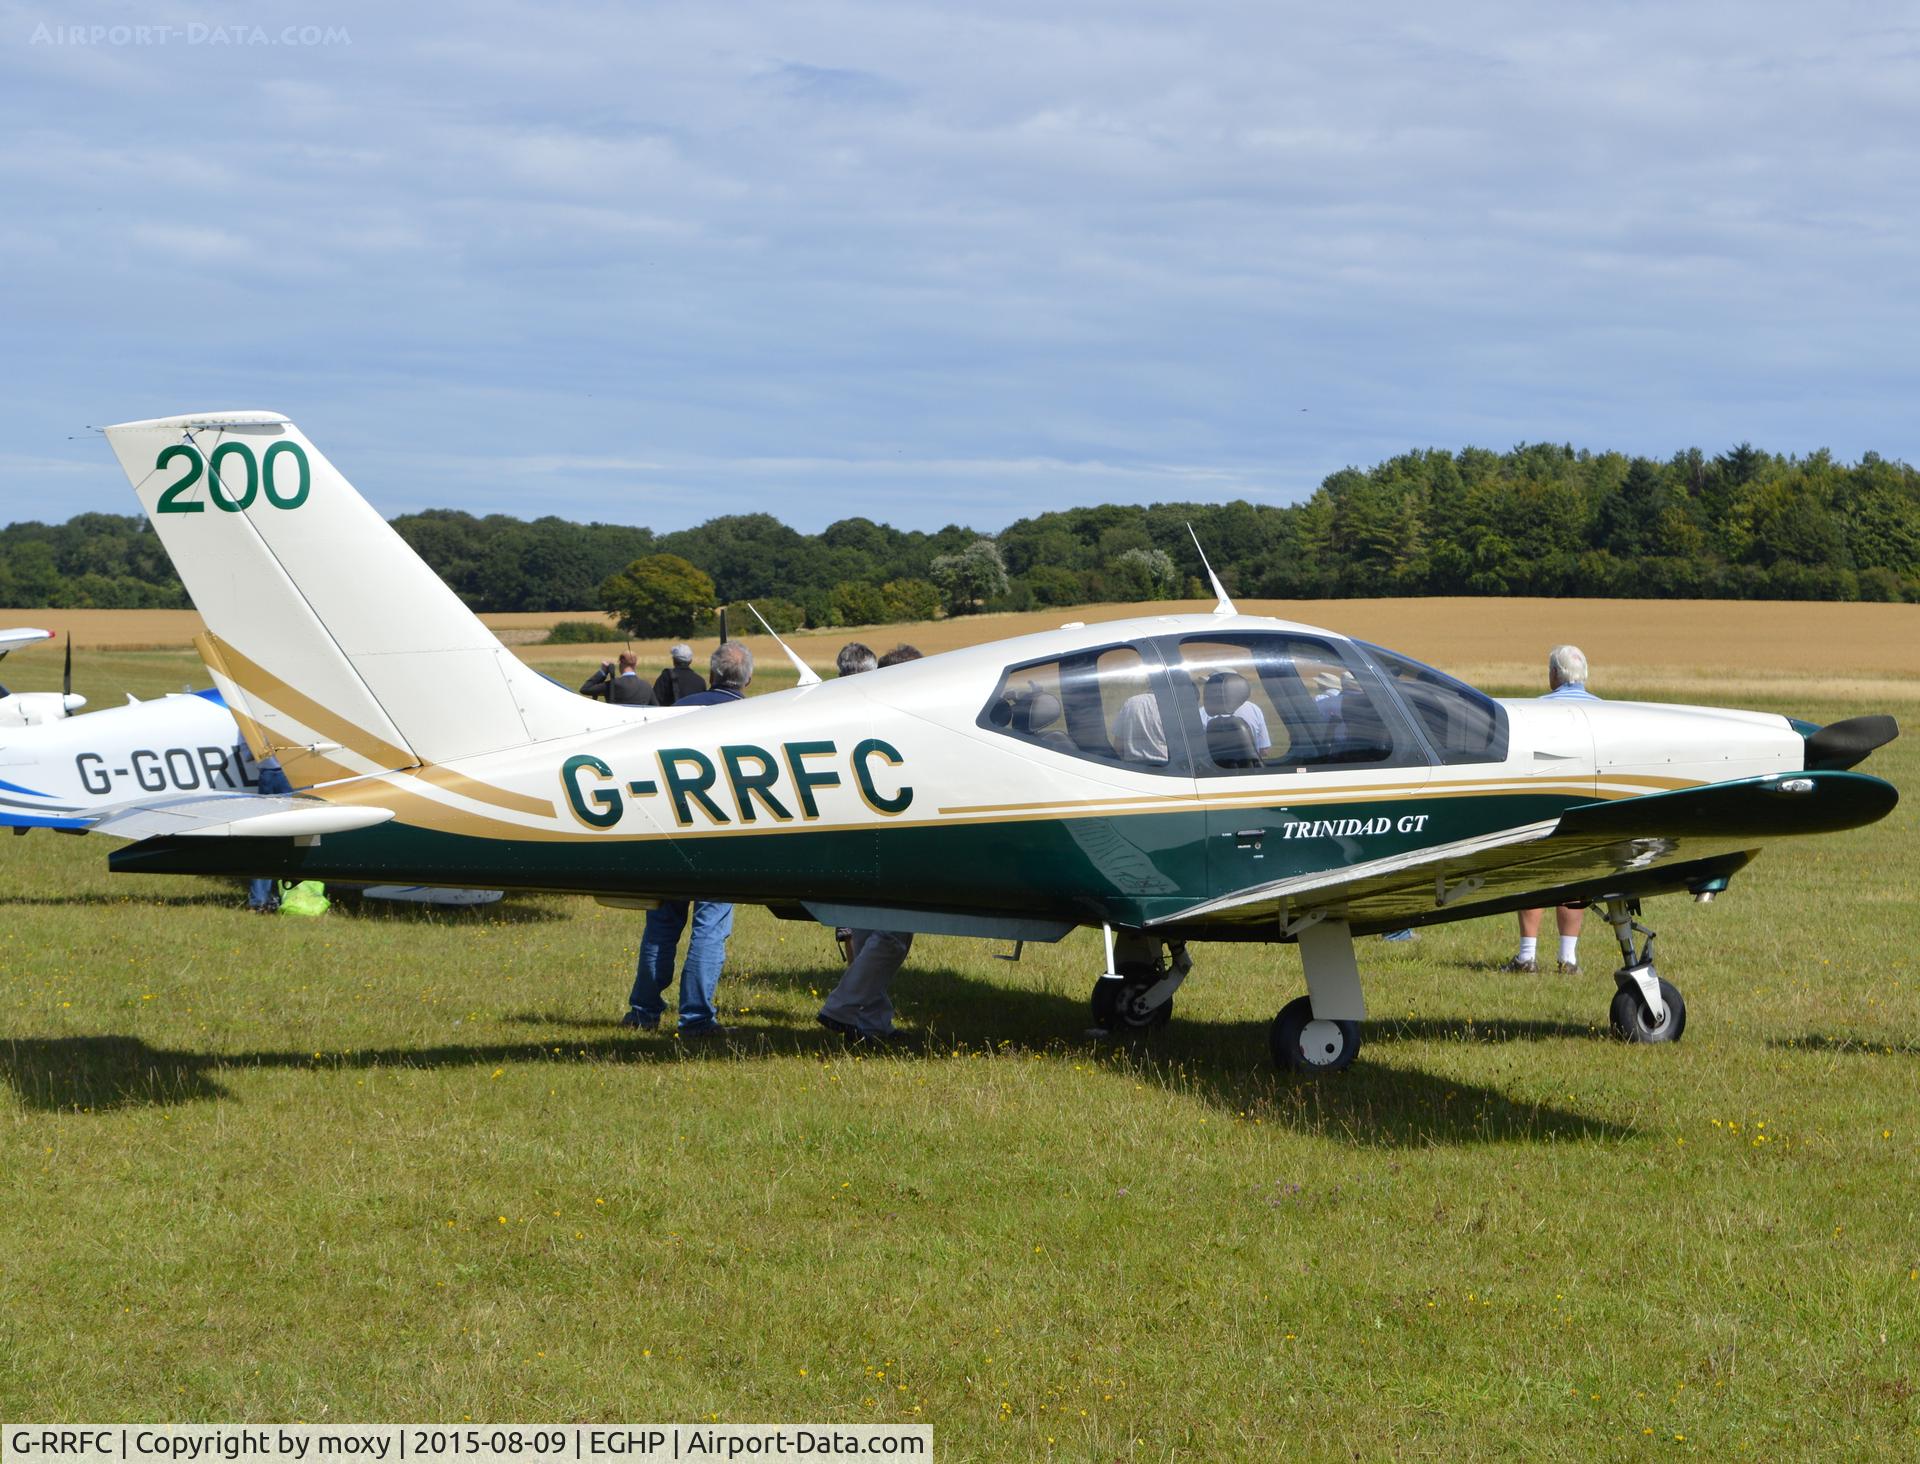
(236, 816)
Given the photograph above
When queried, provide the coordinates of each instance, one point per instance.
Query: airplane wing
(12, 640)
(1633, 845)
(212, 815)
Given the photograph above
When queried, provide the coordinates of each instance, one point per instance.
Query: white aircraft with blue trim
(72, 773)
(35, 708)
(1171, 779)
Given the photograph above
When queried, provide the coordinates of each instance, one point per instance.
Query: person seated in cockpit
(1139, 734)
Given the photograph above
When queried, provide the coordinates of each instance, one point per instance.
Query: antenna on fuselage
(1224, 605)
(808, 676)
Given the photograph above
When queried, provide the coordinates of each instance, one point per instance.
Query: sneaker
(1569, 968)
(834, 1024)
(1521, 967)
(639, 1023)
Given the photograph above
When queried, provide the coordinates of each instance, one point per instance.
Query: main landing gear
(1136, 994)
(1645, 1008)
(1320, 1032)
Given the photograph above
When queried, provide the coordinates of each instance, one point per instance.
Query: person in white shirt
(1566, 681)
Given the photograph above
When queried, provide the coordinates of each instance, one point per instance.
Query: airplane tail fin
(336, 647)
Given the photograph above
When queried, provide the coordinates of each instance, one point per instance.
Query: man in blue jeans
(263, 895)
(729, 671)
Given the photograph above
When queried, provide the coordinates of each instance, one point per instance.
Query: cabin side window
(1102, 705)
(1464, 725)
(1279, 704)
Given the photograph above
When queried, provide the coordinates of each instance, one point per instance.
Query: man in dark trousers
(679, 680)
(623, 688)
(860, 1008)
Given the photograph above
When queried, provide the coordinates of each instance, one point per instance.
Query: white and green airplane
(1171, 778)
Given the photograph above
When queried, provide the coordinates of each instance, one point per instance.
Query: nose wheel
(1303, 1043)
(1137, 993)
(1646, 1008)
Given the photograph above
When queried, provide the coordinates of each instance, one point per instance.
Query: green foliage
(972, 576)
(578, 633)
(910, 599)
(1144, 574)
(854, 602)
(661, 594)
(94, 561)
(1541, 519)
(782, 615)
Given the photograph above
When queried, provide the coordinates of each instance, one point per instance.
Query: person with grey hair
(855, 658)
(860, 1008)
(1567, 675)
(1566, 681)
(731, 669)
(679, 680)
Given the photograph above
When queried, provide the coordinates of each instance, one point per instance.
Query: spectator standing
(731, 668)
(860, 1008)
(622, 688)
(679, 680)
(263, 895)
(1566, 681)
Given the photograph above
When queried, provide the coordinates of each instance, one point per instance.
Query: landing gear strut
(1319, 1033)
(1645, 1008)
(1136, 994)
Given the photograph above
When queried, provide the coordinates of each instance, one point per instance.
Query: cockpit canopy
(1238, 702)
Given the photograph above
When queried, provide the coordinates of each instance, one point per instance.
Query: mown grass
(391, 1165)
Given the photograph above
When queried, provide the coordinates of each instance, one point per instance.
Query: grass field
(395, 1166)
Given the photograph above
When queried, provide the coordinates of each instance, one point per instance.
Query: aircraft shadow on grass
(1853, 1046)
(1221, 1064)
(104, 899)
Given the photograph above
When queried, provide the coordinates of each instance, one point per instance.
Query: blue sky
(649, 263)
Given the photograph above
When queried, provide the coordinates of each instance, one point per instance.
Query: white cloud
(1019, 255)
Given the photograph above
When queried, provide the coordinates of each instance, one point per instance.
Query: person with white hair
(1567, 675)
(679, 680)
(1566, 681)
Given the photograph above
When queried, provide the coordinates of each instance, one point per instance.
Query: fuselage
(54, 773)
(1112, 773)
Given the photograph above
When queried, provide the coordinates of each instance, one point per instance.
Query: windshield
(1464, 725)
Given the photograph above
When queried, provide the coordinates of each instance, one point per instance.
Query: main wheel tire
(1632, 1024)
(1116, 1006)
(1303, 1045)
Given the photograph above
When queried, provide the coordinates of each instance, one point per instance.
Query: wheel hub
(1321, 1043)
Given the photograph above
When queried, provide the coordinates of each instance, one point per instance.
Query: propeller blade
(66, 686)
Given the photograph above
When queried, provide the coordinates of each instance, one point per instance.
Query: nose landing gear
(1136, 994)
(1645, 1008)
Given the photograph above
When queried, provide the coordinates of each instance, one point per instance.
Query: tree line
(1542, 519)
